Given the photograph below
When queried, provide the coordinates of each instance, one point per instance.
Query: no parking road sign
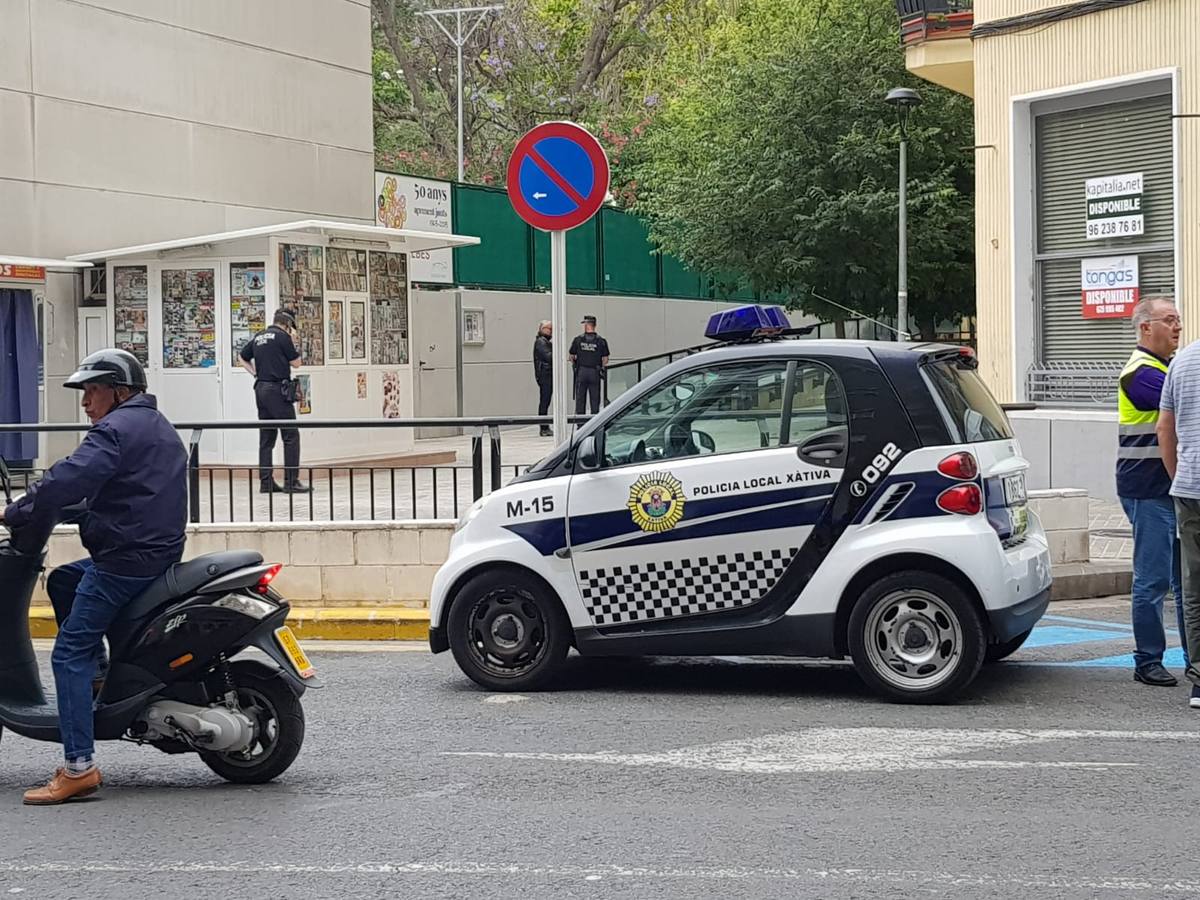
(557, 176)
(557, 180)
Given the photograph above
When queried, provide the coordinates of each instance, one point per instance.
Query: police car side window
(818, 402)
(728, 409)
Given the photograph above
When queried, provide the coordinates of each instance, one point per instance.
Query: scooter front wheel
(280, 719)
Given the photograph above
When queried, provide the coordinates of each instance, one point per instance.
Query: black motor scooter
(172, 681)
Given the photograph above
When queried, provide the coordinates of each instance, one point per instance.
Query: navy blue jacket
(131, 470)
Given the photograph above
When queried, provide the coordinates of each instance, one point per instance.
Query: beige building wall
(125, 122)
(129, 121)
(1114, 44)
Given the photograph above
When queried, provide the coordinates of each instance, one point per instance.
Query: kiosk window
(247, 304)
(189, 318)
(389, 309)
(302, 290)
(130, 311)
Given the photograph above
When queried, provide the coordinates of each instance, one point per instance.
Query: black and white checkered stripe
(658, 590)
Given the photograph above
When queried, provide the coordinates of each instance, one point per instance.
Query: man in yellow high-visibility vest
(1144, 486)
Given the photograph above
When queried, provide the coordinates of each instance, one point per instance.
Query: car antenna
(904, 335)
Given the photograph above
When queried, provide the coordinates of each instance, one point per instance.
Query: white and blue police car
(765, 496)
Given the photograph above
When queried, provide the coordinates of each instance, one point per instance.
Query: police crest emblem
(656, 501)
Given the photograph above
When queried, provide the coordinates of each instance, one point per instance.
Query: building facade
(1087, 123)
(1087, 116)
(133, 121)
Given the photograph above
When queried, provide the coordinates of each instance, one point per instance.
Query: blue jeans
(99, 597)
(1155, 571)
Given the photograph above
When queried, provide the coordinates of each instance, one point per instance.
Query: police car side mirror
(587, 457)
(683, 391)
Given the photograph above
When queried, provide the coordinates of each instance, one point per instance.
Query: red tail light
(962, 499)
(959, 465)
(267, 577)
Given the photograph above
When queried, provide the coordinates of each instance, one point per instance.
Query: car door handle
(823, 447)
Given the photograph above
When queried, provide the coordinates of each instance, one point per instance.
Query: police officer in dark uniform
(270, 357)
(543, 370)
(589, 356)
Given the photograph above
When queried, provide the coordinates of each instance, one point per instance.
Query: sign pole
(558, 321)
(558, 178)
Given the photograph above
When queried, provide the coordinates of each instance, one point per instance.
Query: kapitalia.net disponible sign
(1114, 206)
(1110, 287)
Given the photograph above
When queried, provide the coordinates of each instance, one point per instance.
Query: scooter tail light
(264, 581)
(960, 465)
(962, 500)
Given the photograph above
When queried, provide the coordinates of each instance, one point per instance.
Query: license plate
(295, 654)
(1014, 490)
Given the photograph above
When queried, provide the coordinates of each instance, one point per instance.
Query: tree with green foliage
(536, 60)
(774, 155)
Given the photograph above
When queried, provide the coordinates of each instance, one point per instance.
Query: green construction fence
(611, 254)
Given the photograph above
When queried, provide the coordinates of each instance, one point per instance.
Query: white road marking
(908, 879)
(857, 750)
(504, 698)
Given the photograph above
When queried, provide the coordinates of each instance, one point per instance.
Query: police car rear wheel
(916, 637)
(507, 633)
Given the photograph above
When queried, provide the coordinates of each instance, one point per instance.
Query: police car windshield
(972, 414)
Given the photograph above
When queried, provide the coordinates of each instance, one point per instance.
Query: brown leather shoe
(64, 787)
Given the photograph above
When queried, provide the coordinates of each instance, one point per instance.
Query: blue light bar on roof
(746, 322)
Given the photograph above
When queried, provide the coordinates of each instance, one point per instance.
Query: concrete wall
(498, 375)
(1064, 516)
(325, 564)
(130, 121)
(1069, 448)
(127, 121)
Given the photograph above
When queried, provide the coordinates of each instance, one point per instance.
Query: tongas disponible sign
(1114, 206)
(1110, 287)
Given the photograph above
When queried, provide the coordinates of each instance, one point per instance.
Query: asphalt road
(1057, 776)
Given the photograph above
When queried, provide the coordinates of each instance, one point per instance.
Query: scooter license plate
(295, 654)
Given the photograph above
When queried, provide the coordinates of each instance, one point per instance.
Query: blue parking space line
(1057, 635)
(1172, 659)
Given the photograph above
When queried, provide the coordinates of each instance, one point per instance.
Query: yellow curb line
(367, 623)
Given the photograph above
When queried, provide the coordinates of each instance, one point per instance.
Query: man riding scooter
(130, 472)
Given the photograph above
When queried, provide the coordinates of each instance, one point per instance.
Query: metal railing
(339, 491)
(1073, 383)
(921, 20)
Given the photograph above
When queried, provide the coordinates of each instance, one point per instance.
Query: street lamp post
(474, 15)
(904, 99)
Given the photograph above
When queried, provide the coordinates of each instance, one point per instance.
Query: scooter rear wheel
(280, 718)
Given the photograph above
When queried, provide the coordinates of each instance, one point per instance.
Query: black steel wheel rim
(506, 632)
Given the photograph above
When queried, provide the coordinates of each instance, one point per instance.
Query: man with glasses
(1144, 486)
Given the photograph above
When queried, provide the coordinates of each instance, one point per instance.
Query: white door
(93, 335)
(184, 371)
(245, 315)
(702, 501)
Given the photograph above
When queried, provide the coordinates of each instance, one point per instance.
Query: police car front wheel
(508, 632)
(916, 637)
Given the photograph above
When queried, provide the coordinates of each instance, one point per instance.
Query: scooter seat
(184, 578)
